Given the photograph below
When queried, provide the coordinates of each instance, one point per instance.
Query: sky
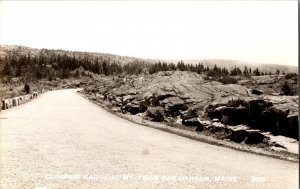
(252, 31)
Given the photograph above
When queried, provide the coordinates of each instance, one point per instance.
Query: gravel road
(61, 140)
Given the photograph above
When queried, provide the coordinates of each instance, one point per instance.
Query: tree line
(45, 65)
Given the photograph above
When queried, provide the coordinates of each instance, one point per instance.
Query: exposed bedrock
(186, 95)
(264, 114)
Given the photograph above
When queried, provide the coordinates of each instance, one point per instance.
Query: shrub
(77, 73)
(291, 76)
(237, 102)
(228, 80)
(195, 111)
(156, 113)
(286, 89)
(171, 122)
(27, 88)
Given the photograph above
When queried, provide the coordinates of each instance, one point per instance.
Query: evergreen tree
(256, 72)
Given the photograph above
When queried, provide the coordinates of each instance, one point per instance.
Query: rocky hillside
(235, 112)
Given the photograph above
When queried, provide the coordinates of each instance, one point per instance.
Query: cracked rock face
(168, 88)
(188, 95)
(267, 114)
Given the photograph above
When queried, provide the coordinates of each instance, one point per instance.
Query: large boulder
(235, 116)
(270, 119)
(131, 108)
(162, 94)
(254, 137)
(134, 107)
(210, 108)
(214, 111)
(292, 126)
(148, 98)
(156, 113)
(173, 105)
(156, 96)
(231, 115)
(193, 122)
(239, 134)
(219, 130)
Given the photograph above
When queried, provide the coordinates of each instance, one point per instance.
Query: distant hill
(229, 64)
(6, 49)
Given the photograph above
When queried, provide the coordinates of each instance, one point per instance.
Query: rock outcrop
(232, 111)
(275, 114)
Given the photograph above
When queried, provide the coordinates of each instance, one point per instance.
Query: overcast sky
(259, 31)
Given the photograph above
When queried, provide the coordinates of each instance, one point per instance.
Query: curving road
(61, 140)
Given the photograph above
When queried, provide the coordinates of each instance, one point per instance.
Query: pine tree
(246, 72)
(256, 72)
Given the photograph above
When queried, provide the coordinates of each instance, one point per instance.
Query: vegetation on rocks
(286, 89)
(156, 113)
(226, 111)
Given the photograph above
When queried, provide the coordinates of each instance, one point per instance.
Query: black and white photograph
(149, 94)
